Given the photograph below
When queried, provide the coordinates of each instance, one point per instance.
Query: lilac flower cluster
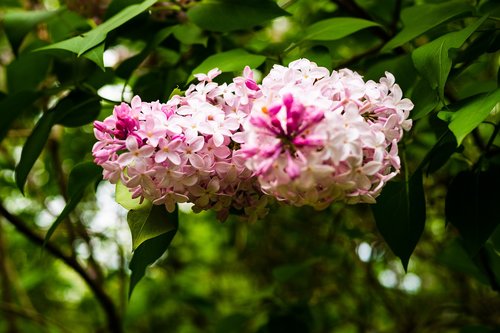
(185, 150)
(304, 136)
(314, 137)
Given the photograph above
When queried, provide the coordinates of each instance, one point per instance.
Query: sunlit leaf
(419, 19)
(432, 59)
(84, 42)
(470, 115)
(81, 176)
(336, 28)
(152, 249)
(230, 61)
(148, 222)
(400, 215)
(190, 33)
(472, 206)
(124, 198)
(228, 15)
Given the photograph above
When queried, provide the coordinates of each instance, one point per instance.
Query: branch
(113, 318)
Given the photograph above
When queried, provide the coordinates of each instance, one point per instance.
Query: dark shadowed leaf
(81, 176)
(336, 28)
(440, 153)
(228, 15)
(152, 249)
(472, 206)
(27, 71)
(33, 147)
(432, 60)
(77, 109)
(424, 98)
(230, 61)
(12, 106)
(400, 215)
(419, 19)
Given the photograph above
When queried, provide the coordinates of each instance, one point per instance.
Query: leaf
(33, 147)
(432, 59)
(96, 55)
(80, 177)
(190, 34)
(27, 71)
(229, 15)
(12, 106)
(84, 42)
(230, 61)
(424, 98)
(124, 198)
(440, 153)
(18, 23)
(148, 222)
(400, 215)
(419, 19)
(151, 250)
(469, 116)
(336, 28)
(77, 109)
(472, 206)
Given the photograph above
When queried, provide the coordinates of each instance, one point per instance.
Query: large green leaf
(12, 106)
(230, 61)
(153, 248)
(189, 33)
(80, 177)
(89, 40)
(228, 15)
(432, 59)
(470, 115)
(33, 147)
(148, 222)
(419, 19)
(472, 206)
(18, 23)
(400, 215)
(336, 28)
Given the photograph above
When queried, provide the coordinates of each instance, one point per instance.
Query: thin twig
(113, 319)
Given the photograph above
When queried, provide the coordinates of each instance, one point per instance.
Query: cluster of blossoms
(304, 136)
(314, 137)
(185, 150)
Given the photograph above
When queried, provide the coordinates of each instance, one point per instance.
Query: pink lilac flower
(315, 137)
(183, 150)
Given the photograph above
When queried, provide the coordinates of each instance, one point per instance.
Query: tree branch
(114, 322)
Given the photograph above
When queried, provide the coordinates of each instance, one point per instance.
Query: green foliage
(65, 64)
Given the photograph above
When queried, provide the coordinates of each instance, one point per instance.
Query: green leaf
(440, 153)
(336, 28)
(124, 198)
(152, 249)
(96, 54)
(469, 116)
(419, 19)
(27, 71)
(424, 98)
(18, 23)
(432, 59)
(80, 177)
(84, 42)
(12, 106)
(190, 34)
(33, 147)
(472, 206)
(400, 215)
(229, 15)
(148, 222)
(230, 61)
(77, 109)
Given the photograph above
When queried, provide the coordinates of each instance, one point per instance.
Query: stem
(114, 322)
